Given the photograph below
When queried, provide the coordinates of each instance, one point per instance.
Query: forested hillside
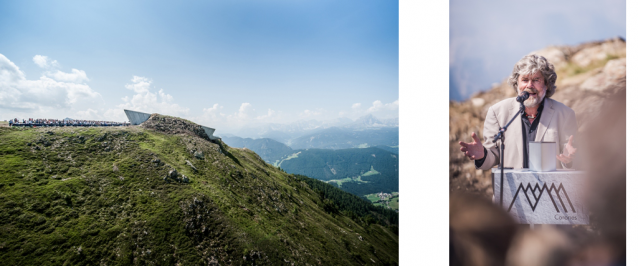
(354, 206)
(358, 171)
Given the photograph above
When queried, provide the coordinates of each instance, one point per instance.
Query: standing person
(544, 120)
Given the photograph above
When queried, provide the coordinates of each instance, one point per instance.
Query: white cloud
(88, 114)
(378, 109)
(308, 113)
(210, 114)
(19, 94)
(75, 76)
(140, 84)
(378, 106)
(244, 110)
(45, 62)
(145, 100)
(270, 114)
(245, 116)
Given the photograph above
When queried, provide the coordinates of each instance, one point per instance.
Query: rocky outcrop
(174, 125)
(588, 74)
(173, 175)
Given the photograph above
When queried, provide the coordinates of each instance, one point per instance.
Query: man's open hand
(568, 152)
(473, 150)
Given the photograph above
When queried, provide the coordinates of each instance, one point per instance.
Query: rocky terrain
(162, 193)
(588, 75)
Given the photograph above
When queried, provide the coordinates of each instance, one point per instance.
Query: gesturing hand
(473, 150)
(568, 152)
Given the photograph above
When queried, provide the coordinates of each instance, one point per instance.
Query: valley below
(356, 167)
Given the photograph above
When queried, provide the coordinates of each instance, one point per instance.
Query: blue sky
(225, 64)
(488, 38)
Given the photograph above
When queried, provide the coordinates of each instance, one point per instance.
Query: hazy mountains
(287, 133)
(268, 149)
(344, 138)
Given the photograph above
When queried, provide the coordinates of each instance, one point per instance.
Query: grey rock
(199, 155)
(172, 174)
(157, 162)
(191, 165)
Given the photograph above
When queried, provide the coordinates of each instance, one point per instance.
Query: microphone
(521, 98)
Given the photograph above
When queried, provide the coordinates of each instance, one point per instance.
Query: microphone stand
(501, 135)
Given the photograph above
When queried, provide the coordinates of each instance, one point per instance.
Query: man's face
(535, 86)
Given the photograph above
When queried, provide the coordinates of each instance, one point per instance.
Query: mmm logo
(540, 190)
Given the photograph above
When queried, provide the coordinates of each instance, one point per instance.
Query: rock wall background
(588, 75)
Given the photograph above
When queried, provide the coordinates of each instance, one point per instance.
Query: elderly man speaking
(544, 120)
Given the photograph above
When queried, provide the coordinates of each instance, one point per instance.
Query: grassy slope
(96, 196)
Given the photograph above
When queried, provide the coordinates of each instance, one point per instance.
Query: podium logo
(540, 190)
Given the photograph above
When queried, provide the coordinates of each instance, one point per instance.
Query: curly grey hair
(530, 64)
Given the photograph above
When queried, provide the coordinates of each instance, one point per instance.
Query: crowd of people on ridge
(38, 122)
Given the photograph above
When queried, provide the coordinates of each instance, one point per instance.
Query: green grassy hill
(163, 194)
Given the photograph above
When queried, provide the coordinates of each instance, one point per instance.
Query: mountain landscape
(163, 193)
(344, 138)
(300, 131)
(360, 157)
(358, 171)
(268, 149)
(588, 75)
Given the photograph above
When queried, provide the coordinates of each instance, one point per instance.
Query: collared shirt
(529, 134)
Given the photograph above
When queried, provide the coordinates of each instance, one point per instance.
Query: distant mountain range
(287, 133)
(268, 149)
(344, 138)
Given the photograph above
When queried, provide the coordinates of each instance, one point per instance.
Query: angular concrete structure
(209, 131)
(135, 117)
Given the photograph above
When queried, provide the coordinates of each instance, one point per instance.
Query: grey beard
(531, 102)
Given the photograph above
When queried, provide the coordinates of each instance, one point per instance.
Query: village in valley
(387, 200)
